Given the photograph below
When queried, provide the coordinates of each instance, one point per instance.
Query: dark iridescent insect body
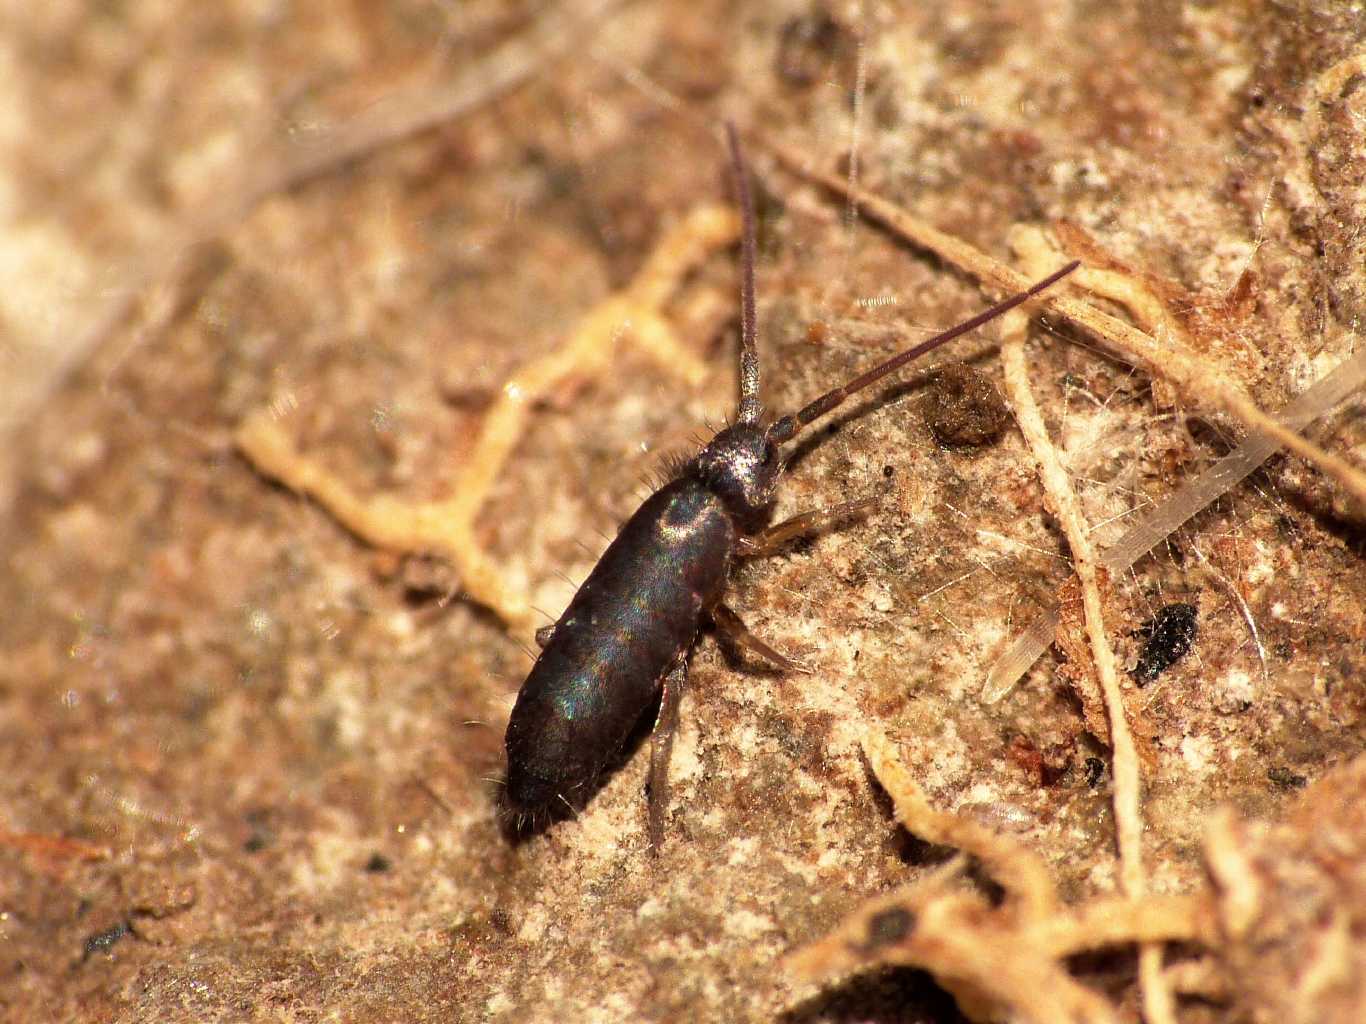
(630, 621)
(621, 645)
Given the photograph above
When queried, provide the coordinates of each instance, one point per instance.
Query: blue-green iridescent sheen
(633, 617)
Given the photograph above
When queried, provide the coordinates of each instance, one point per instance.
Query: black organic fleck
(1095, 771)
(1168, 637)
(378, 864)
(103, 942)
(1285, 778)
(808, 47)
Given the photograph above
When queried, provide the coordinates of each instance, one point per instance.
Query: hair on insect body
(623, 642)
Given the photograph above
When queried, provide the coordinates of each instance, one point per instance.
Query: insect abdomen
(636, 613)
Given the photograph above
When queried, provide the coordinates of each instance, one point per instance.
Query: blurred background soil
(245, 758)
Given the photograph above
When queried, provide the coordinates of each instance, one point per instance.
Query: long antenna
(785, 428)
(749, 351)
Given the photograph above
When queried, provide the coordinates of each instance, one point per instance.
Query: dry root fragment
(1164, 309)
(446, 528)
(1199, 979)
(956, 938)
(1291, 905)
(1345, 379)
(1000, 962)
(1078, 669)
(1062, 498)
(1202, 382)
(1019, 870)
(1284, 920)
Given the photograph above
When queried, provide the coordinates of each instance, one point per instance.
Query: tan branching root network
(1000, 961)
(1203, 383)
(1269, 928)
(932, 926)
(447, 528)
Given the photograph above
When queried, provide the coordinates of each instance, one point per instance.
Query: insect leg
(661, 746)
(778, 534)
(738, 633)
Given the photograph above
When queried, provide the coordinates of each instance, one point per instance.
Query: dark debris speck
(1283, 778)
(103, 942)
(378, 864)
(501, 921)
(809, 47)
(1095, 772)
(1168, 637)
